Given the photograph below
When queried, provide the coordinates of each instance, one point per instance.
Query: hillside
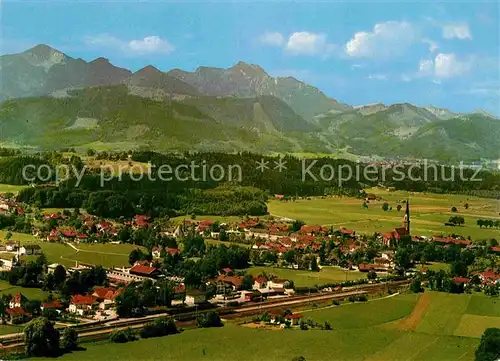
(43, 70)
(49, 99)
(248, 80)
(113, 115)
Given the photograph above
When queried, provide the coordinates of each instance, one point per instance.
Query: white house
(30, 249)
(82, 305)
(195, 297)
(11, 246)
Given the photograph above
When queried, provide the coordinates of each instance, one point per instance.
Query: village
(285, 243)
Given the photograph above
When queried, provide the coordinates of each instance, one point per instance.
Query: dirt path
(412, 322)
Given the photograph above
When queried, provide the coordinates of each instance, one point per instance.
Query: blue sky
(427, 53)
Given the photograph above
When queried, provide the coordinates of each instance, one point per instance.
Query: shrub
(69, 339)
(159, 328)
(489, 347)
(303, 326)
(351, 299)
(122, 336)
(361, 298)
(416, 286)
(208, 319)
(328, 326)
(335, 302)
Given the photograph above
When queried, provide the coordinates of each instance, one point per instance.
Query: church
(391, 238)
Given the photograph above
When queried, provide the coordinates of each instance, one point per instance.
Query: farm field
(31, 293)
(372, 313)
(303, 278)
(435, 266)
(228, 244)
(365, 331)
(428, 213)
(107, 255)
(220, 219)
(8, 188)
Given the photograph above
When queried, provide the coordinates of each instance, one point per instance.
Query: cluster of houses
(94, 227)
(99, 305)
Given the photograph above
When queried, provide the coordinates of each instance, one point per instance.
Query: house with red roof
(68, 234)
(143, 270)
(56, 305)
(83, 304)
(18, 301)
(53, 236)
(495, 249)
(313, 230)
(294, 318)
(259, 282)
(106, 296)
(225, 283)
(461, 280)
(17, 315)
(347, 232)
(11, 246)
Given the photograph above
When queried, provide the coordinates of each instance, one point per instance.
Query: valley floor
(371, 331)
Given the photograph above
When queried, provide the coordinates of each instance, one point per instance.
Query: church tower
(406, 219)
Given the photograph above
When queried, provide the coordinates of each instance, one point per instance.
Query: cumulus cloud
(445, 65)
(458, 31)
(386, 39)
(272, 39)
(148, 45)
(306, 43)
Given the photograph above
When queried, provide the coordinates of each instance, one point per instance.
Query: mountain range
(49, 99)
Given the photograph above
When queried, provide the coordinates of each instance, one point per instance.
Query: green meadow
(30, 293)
(369, 331)
(107, 255)
(8, 188)
(302, 278)
(429, 212)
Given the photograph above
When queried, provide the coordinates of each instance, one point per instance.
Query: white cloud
(306, 43)
(447, 66)
(443, 66)
(458, 31)
(148, 45)
(386, 39)
(377, 77)
(426, 67)
(272, 39)
(151, 44)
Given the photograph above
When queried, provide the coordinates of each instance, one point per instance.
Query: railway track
(13, 341)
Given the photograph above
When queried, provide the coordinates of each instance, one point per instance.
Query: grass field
(363, 331)
(6, 329)
(228, 244)
(435, 266)
(360, 315)
(220, 219)
(31, 293)
(107, 255)
(8, 188)
(304, 278)
(428, 213)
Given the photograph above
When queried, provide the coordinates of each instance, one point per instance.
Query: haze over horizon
(444, 55)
